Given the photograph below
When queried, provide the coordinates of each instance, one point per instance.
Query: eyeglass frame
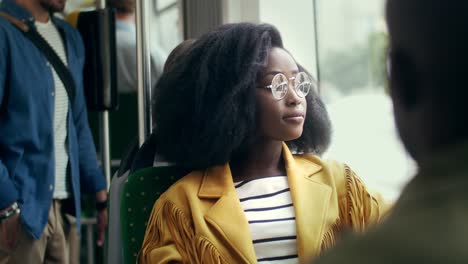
(311, 81)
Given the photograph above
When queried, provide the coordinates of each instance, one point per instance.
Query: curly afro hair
(204, 108)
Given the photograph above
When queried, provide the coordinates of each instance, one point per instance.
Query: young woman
(233, 109)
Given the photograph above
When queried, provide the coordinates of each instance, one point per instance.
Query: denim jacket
(27, 166)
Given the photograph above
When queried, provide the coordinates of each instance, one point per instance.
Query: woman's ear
(404, 85)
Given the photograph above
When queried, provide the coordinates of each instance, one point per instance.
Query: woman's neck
(264, 158)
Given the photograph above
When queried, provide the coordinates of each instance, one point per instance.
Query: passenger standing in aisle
(127, 49)
(127, 82)
(47, 156)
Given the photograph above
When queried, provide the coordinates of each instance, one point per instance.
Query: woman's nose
(291, 96)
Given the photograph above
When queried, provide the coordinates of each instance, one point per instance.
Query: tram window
(352, 46)
(295, 22)
(352, 43)
(349, 61)
(167, 17)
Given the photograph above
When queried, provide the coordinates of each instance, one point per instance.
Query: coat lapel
(311, 199)
(226, 216)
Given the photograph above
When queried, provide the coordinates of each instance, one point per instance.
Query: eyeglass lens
(280, 83)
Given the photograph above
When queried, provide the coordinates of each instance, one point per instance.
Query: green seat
(140, 191)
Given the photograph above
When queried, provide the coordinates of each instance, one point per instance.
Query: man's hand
(101, 226)
(9, 232)
(101, 196)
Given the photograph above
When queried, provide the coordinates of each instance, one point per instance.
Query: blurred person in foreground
(428, 69)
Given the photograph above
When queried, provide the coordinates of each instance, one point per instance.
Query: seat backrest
(127, 158)
(140, 192)
(114, 230)
(145, 155)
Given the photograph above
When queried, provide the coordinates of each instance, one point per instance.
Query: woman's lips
(295, 117)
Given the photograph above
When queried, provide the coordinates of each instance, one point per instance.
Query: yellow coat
(199, 219)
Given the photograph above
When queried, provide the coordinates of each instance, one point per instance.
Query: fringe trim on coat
(208, 252)
(152, 234)
(330, 237)
(354, 210)
(169, 218)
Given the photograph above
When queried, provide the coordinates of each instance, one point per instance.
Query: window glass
(352, 53)
(166, 27)
(349, 61)
(352, 42)
(295, 20)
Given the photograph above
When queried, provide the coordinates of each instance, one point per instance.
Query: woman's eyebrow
(274, 72)
(271, 73)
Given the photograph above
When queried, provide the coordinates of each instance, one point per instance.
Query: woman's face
(282, 119)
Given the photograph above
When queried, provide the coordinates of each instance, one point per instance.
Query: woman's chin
(293, 135)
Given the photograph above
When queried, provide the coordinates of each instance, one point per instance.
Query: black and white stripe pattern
(269, 209)
(50, 33)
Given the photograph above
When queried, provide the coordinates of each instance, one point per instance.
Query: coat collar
(12, 8)
(311, 199)
(16, 10)
(309, 195)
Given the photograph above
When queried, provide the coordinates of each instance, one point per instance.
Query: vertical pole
(143, 70)
(89, 242)
(105, 145)
(104, 126)
(316, 33)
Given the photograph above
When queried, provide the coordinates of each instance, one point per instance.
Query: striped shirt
(269, 210)
(50, 33)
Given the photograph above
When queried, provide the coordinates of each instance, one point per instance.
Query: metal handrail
(143, 71)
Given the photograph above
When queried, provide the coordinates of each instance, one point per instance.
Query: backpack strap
(60, 68)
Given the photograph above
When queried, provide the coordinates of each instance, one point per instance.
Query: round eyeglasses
(303, 83)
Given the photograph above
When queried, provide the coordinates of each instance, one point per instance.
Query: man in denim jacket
(47, 155)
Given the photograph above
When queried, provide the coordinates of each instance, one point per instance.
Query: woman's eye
(279, 88)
